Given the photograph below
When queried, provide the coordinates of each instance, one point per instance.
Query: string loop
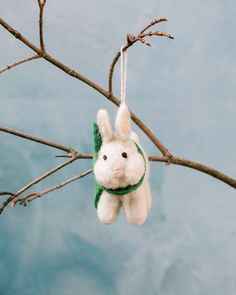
(123, 73)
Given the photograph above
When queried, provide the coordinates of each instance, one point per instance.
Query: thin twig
(156, 21)
(44, 175)
(37, 139)
(41, 11)
(81, 156)
(19, 62)
(33, 196)
(157, 33)
(37, 180)
(114, 61)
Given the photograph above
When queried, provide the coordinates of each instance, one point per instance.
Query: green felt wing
(97, 139)
(98, 192)
(97, 142)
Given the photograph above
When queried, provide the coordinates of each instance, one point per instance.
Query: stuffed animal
(121, 169)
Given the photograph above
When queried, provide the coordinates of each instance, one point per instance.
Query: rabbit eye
(104, 157)
(124, 155)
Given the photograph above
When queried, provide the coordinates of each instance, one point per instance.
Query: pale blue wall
(183, 89)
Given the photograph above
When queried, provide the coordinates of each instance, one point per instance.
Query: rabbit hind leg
(148, 195)
(108, 208)
(136, 207)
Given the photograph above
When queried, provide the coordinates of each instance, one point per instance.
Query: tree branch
(17, 35)
(174, 160)
(37, 180)
(72, 154)
(157, 33)
(19, 62)
(44, 175)
(187, 163)
(156, 21)
(41, 11)
(197, 166)
(39, 54)
(37, 139)
(30, 197)
(92, 84)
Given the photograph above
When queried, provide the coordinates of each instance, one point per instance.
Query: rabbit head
(119, 163)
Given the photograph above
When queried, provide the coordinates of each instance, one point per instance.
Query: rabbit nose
(119, 173)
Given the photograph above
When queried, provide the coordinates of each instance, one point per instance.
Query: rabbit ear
(123, 122)
(134, 137)
(104, 125)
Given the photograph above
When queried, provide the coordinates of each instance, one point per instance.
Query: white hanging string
(123, 73)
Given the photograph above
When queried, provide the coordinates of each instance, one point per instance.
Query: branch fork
(132, 39)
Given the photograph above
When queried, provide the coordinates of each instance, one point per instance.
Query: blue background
(183, 89)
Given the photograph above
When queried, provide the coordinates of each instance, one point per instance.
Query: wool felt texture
(97, 141)
(117, 164)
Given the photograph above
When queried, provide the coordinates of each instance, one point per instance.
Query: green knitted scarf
(97, 140)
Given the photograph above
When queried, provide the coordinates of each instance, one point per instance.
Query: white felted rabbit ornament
(121, 168)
